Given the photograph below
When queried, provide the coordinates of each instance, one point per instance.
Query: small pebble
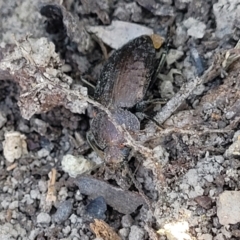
(97, 208)
(43, 218)
(42, 186)
(124, 232)
(13, 205)
(34, 194)
(127, 221)
(73, 218)
(63, 212)
(195, 28)
(66, 230)
(166, 89)
(3, 119)
(43, 153)
(173, 56)
(204, 201)
(136, 233)
(228, 207)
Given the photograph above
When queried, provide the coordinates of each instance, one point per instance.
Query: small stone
(234, 148)
(76, 165)
(195, 28)
(66, 230)
(3, 119)
(136, 233)
(119, 33)
(34, 194)
(97, 208)
(228, 207)
(236, 233)
(205, 237)
(39, 126)
(230, 115)
(197, 61)
(8, 231)
(63, 212)
(121, 200)
(204, 201)
(226, 12)
(127, 221)
(166, 89)
(22, 127)
(27, 199)
(66, 68)
(181, 4)
(220, 237)
(124, 232)
(173, 56)
(219, 159)
(42, 153)
(42, 186)
(14, 146)
(180, 37)
(198, 190)
(73, 218)
(43, 218)
(13, 205)
(209, 178)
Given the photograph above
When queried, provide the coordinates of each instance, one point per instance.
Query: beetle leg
(93, 145)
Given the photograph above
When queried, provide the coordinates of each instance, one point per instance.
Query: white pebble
(43, 218)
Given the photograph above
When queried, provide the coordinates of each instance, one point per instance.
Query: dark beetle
(122, 84)
(126, 75)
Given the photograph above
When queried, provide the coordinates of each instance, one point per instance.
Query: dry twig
(102, 230)
(51, 194)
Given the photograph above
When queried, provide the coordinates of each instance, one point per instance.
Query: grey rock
(219, 159)
(127, 221)
(39, 126)
(136, 233)
(43, 218)
(123, 201)
(124, 232)
(205, 237)
(226, 11)
(180, 37)
(197, 61)
(42, 185)
(166, 89)
(97, 208)
(63, 212)
(228, 207)
(13, 205)
(195, 28)
(73, 218)
(230, 115)
(119, 33)
(163, 10)
(161, 154)
(219, 237)
(180, 4)
(34, 194)
(5, 203)
(66, 230)
(7, 231)
(43, 153)
(3, 119)
(173, 56)
(233, 150)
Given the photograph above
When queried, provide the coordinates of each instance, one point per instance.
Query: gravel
(136, 233)
(63, 212)
(43, 218)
